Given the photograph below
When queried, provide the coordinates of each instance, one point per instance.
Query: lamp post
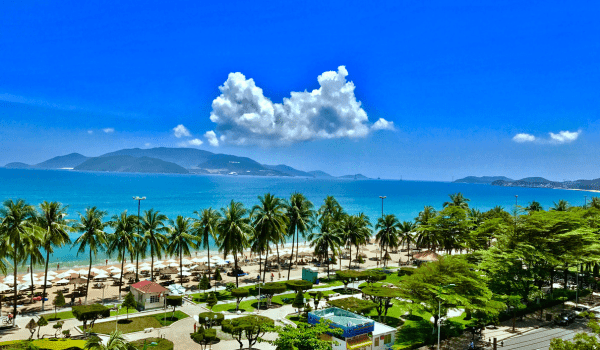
(440, 313)
(117, 321)
(139, 199)
(382, 198)
(258, 310)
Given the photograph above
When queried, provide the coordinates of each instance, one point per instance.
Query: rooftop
(149, 287)
(380, 328)
(342, 317)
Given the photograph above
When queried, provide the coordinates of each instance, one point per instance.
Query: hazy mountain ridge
(18, 165)
(321, 174)
(286, 169)
(130, 164)
(533, 182)
(482, 179)
(355, 177)
(184, 157)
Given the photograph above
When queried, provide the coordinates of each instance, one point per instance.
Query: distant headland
(533, 182)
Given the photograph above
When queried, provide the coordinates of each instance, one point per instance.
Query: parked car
(564, 319)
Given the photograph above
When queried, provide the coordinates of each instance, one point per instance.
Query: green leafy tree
(204, 283)
(181, 240)
(348, 276)
(562, 205)
(272, 288)
(129, 303)
(59, 301)
(303, 337)
(239, 294)
(252, 327)
(116, 341)
(174, 301)
(297, 285)
(298, 302)
(534, 206)
(58, 326)
(300, 214)
(217, 277)
(153, 235)
(42, 322)
(214, 319)
(234, 232)
(122, 241)
(53, 221)
(406, 233)
(581, 341)
(373, 276)
(205, 228)
(212, 300)
(32, 245)
(382, 298)
(457, 200)
(513, 302)
(317, 296)
(92, 236)
(90, 313)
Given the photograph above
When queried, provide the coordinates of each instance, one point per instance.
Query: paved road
(540, 338)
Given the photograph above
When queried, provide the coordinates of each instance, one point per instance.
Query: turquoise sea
(183, 194)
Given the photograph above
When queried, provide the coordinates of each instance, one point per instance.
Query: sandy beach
(110, 292)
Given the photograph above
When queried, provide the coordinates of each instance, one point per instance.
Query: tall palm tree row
(387, 234)
(181, 240)
(328, 238)
(205, 228)
(269, 222)
(300, 215)
(153, 235)
(355, 232)
(122, 241)
(235, 230)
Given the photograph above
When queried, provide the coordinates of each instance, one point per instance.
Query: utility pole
(139, 199)
(382, 198)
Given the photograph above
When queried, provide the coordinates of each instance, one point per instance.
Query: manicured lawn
(52, 344)
(64, 315)
(297, 319)
(161, 344)
(136, 324)
(251, 305)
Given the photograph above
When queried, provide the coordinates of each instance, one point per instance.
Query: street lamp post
(382, 198)
(139, 199)
(440, 313)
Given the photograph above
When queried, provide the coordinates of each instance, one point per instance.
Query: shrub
(211, 318)
(229, 286)
(297, 285)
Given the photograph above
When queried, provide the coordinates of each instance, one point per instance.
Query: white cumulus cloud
(243, 115)
(181, 131)
(520, 138)
(564, 136)
(383, 124)
(90, 132)
(212, 138)
(108, 130)
(195, 142)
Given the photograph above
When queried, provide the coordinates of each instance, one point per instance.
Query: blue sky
(464, 88)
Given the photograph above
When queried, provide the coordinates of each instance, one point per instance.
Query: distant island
(174, 161)
(532, 182)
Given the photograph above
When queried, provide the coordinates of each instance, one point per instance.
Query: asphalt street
(540, 338)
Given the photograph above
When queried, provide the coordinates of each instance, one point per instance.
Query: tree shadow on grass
(263, 305)
(54, 319)
(125, 321)
(413, 317)
(348, 291)
(416, 332)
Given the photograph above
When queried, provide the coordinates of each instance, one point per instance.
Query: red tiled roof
(149, 287)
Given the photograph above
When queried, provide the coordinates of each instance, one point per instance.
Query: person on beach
(57, 267)
(272, 276)
(106, 262)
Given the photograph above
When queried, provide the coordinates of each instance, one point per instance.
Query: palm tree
(32, 243)
(425, 215)
(331, 208)
(406, 235)
(458, 200)
(300, 214)
(533, 207)
(153, 227)
(562, 205)
(17, 223)
(123, 239)
(269, 221)
(387, 236)
(205, 228)
(329, 237)
(234, 232)
(116, 341)
(595, 203)
(92, 236)
(355, 232)
(52, 220)
(181, 240)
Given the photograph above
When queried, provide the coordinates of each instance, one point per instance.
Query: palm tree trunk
(15, 287)
(31, 275)
(278, 262)
(259, 266)
(87, 285)
(237, 284)
(45, 279)
(121, 276)
(292, 256)
(349, 258)
(181, 264)
(209, 272)
(327, 261)
(297, 244)
(266, 260)
(151, 257)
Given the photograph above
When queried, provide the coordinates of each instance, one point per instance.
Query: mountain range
(173, 161)
(536, 182)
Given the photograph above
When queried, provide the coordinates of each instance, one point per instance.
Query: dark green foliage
(303, 337)
(317, 296)
(382, 298)
(59, 301)
(129, 303)
(239, 294)
(161, 344)
(58, 326)
(229, 286)
(204, 283)
(372, 276)
(297, 285)
(212, 321)
(31, 325)
(406, 271)
(252, 327)
(217, 277)
(91, 313)
(212, 300)
(272, 288)
(174, 301)
(41, 323)
(361, 260)
(348, 276)
(204, 336)
(358, 306)
(298, 302)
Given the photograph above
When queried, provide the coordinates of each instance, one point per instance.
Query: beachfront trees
(269, 221)
(234, 231)
(90, 313)
(534, 206)
(32, 245)
(17, 223)
(304, 336)
(406, 235)
(355, 232)
(122, 240)
(327, 238)
(387, 236)
(300, 214)
(457, 200)
(92, 237)
(153, 235)
(181, 240)
(52, 219)
(562, 205)
(205, 228)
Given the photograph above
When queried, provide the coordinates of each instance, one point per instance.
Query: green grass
(65, 315)
(251, 305)
(161, 344)
(297, 319)
(136, 324)
(52, 344)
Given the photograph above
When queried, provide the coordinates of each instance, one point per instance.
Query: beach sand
(111, 291)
